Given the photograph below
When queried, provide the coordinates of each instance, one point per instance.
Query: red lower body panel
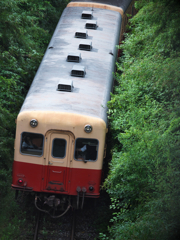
(30, 174)
(59, 180)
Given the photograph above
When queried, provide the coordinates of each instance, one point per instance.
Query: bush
(144, 113)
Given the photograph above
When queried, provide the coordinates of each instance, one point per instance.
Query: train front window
(59, 148)
(32, 143)
(86, 149)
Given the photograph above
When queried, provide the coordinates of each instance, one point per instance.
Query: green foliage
(26, 27)
(144, 112)
(12, 218)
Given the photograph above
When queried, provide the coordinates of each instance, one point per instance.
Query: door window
(59, 148)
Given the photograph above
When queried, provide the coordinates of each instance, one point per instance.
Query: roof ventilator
(74, 57)
(78, 71)
(91, 24)
(81, 34)
(65, 85)
(87, 15)
(85, 45)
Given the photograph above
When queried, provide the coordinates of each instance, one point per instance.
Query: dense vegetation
(144, 112)
(26, 27)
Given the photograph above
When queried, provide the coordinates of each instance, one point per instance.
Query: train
(60, 141)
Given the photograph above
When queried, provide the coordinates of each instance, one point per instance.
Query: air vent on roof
(87, 15)
(78, 71)
(74, 57)
(91, 24)
(81, 34)
(85, 45)
(65, 85)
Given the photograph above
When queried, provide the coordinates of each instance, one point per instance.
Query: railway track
(37, 225)
(73, 228)
(71, 232)
(83, 224)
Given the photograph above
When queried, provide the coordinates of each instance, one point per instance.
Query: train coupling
(52, 201)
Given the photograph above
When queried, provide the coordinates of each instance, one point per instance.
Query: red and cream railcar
(62, 125)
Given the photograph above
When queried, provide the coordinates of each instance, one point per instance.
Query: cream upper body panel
(123, 4)
(87, 103)
(96, 5)
(50, 121)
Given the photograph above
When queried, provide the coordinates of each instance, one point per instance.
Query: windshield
(86, 149)
(32, 143)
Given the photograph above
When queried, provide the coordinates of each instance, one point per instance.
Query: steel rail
(73, 226)
(37, 225)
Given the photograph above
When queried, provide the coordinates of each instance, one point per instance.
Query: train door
(59, 148)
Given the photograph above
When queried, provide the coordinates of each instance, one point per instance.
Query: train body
(62, 125)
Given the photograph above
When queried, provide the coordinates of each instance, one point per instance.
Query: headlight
(33, 123)
(88, 128)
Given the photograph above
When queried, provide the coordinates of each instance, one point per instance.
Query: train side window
(32, 143)
(59, 148)
(86, 149)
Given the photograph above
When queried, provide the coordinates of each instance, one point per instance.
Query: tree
(26, 27)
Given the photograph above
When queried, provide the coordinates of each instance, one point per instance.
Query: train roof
(89, 93)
